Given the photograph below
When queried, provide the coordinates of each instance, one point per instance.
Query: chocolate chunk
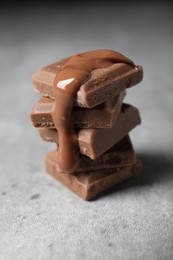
(102, 84)
(94, 142)
(120, 155)
(88, 185)
(101, 116)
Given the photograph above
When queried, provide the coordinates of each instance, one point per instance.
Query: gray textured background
(39, 218)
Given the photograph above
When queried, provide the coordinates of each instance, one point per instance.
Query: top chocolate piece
(103, 82)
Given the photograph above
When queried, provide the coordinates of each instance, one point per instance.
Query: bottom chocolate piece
(88, 185)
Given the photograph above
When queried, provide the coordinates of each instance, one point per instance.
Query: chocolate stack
(82, 110)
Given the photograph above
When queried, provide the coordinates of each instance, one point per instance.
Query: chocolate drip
(74, 72)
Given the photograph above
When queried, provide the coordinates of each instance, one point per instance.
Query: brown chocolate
(101, 116)
(102, 84)
(88, 185)
(120, 155)
(82, 88)
(94, 142)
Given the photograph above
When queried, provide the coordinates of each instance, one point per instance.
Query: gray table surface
(41, 219)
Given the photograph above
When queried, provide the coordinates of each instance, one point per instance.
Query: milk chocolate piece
(94, 142)
(102, 84)
(101, 116)
(120, 155)
(88, 185)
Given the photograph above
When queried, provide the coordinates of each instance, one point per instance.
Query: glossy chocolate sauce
(73, 73)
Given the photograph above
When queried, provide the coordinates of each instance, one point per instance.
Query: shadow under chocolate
(156, 168)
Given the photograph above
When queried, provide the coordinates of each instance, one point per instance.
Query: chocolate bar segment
(120, 155)
(101, 116)
(94, 142)
(88, 185)
(102, 84)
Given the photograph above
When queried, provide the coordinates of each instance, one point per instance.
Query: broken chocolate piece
(120, 155)
(103, 83)
(88, 185)
(101, 116)
(94, 142)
